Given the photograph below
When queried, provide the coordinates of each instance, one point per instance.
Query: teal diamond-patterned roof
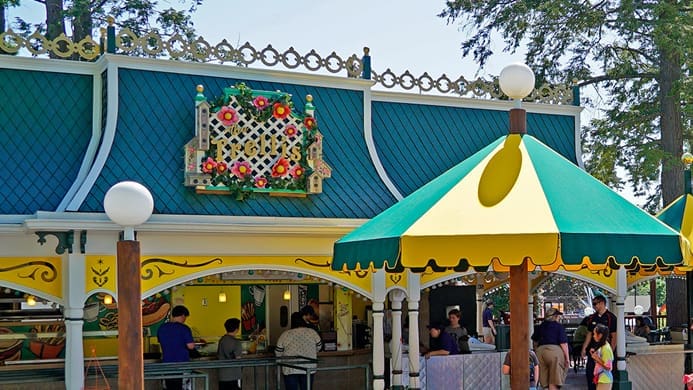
(156, 118)
(418, 142)
(46, 123)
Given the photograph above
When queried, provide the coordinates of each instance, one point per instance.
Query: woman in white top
(299, 341)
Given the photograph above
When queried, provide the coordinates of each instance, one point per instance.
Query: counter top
(112, 360)
(271, 355)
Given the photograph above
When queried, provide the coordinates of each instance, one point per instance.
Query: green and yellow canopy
(679, 216)
(516, 199)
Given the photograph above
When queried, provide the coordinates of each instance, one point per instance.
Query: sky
(402, 35)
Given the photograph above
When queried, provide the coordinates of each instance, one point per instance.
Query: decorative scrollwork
(179, 47)
(300, 260)
(396, 278)
(478, 88)
(606, 272)
(154, 262)
(359, 274)
(47, 275)
(100, 277)
(37, 44)
(65, 240)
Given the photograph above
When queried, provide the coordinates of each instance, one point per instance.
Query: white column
(396, 298)
(621, 291)
(378, 337)
(479, 304)
(413, 298)
(74, 298)
(530, 308)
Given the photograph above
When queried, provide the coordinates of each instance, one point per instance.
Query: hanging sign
(255, 142)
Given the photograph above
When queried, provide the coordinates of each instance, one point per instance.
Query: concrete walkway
(575, 381)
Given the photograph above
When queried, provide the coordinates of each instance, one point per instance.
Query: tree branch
(599, 79)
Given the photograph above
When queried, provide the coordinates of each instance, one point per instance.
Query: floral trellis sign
(254, 141)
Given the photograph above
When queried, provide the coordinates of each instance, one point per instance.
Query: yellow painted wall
(359, 307)
(208, 321)
(102, 346)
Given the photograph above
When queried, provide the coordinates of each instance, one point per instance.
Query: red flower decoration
(260, 182)
(209, 165)
(221, 167)
(228, 116)
(281, 168)
(297, 171)
(290, 131)
(281, 111)
(310, 122)
(240, 169)
(260, 102)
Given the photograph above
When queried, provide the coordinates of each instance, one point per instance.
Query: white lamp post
(129, 204)
(517, 81)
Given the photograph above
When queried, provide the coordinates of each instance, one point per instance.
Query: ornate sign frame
(254, 142)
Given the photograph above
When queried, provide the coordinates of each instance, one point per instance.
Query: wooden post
(130, 350)
(519, 323)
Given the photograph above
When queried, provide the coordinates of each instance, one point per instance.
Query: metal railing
(193, 370)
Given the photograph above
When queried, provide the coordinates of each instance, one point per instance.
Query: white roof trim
(372, 150)
(48, 65)
(106, 143)
(486, 104)
(44, 220)
(96, 132)
(231, 71)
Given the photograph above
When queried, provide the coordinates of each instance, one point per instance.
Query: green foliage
(644, 289)
(637, 55)
(563, 289)
(141, 16)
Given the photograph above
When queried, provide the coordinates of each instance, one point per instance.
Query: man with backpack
(533, 369)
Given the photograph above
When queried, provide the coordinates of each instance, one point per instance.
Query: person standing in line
(533, 368)
(603, 358)
(299, 341)
(176, 342)
(309, 317)
(457, 331)
(230, 348)
(488, 327)
(552, 350)
(604, 317)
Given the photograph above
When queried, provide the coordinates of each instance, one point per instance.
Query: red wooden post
(519, 325)
(130, 350)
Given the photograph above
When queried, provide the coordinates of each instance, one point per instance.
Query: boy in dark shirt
(441, 342)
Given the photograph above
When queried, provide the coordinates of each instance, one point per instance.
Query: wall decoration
(255, 142)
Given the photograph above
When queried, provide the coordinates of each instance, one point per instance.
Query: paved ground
(576, 381)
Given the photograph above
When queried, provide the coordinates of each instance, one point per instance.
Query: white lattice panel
(244, 133)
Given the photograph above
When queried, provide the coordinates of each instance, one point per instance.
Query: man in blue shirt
(441, 342)
(176, 342)
(488, 327)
